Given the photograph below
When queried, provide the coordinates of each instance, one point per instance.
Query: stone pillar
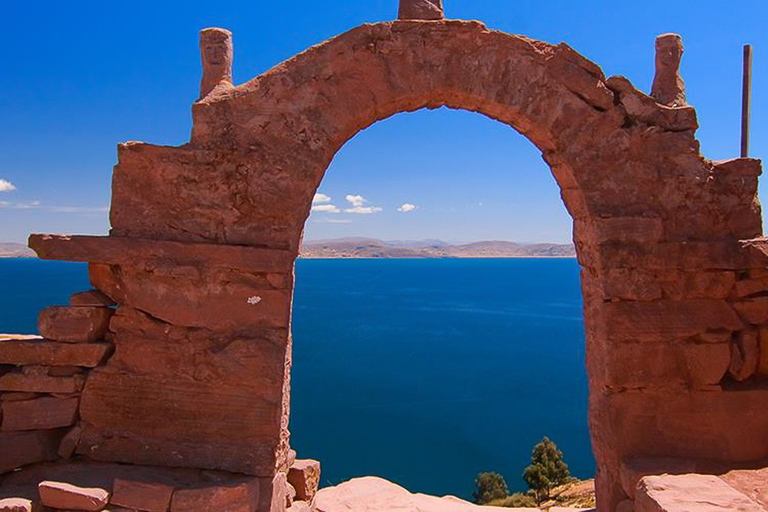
(421, 10)
(216, 55)
(668, 86)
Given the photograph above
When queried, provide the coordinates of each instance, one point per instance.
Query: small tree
(489, 487)
(547, 469)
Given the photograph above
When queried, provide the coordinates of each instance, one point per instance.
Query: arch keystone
(421, 10)
(216, 54)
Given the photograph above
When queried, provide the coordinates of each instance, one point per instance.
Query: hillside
(15, 250)
(373, 248)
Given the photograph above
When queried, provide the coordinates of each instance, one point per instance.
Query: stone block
(23, 448)
(69, 442)
(36, 383)
(74, 324)
(116, 250)
(304, 476)
(273, 493)
(15, 505)
(92, 298)
(189, 296)
(299, 506)
(51, 353)
(39, 414)
(142, 496)
(683, 493)
(209, 425)
(671, 365)
(753, 483)
(243, 497)
(60, 495)
(668, 320)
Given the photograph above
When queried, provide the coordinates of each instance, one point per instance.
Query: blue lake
(424, 372)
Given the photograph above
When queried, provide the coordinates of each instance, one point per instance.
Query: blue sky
(79, 77)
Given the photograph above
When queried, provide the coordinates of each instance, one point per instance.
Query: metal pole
(746, 100)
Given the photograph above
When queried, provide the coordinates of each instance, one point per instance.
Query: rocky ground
(373, 494)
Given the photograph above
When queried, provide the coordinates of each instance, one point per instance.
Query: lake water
(424, 372)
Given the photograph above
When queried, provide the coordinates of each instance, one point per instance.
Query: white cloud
(52, 208)
(327, 208)
(407, 207)
(356, 200)
(19, 206)
(321, 198)
(6, 186)
(363, 210)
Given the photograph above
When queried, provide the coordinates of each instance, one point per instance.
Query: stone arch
(204, 237)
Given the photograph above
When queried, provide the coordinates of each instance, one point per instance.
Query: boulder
(690, 493)
(66, 496)
(93, 298)
(15, 505)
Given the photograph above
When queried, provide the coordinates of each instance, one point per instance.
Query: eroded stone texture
(668, 86)
(691, 493)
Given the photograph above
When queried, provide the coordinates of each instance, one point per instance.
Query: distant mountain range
(15, 250)
(373, 248)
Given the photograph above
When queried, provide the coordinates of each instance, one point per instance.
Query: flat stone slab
(690, 493)
(38, 383)
(39, 351)
(121, 250)
(62, 495)
(39, 414)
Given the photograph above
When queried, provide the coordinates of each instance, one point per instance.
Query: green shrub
(489, 486)
(515, 500)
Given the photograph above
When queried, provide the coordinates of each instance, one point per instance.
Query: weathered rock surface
(74, 324)
(690, 493)
(235, 498)
(93, 298)
(61, 495)
(372, 494)
(304, 476)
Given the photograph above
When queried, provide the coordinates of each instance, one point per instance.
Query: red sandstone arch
(672, 298)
